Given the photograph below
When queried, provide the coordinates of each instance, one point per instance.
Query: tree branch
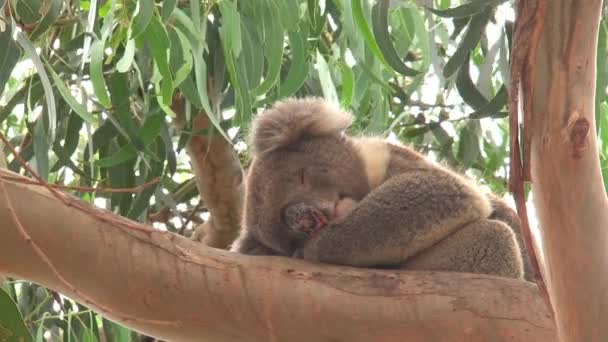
(222, 296)
(558, 87)
(219, 178)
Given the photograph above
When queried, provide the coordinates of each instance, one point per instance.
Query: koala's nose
(305, 218)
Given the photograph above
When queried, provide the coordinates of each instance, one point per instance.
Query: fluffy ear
(293, 119)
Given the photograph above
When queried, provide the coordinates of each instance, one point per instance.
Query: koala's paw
(298, 254)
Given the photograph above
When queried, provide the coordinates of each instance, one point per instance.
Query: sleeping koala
(315, 193)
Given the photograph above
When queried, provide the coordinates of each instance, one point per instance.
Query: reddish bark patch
(579, 130)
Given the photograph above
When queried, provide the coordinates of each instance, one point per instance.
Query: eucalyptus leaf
(10, 53)
(12, 328)
(382, 35)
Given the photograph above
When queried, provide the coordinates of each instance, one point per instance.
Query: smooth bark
(557, 87)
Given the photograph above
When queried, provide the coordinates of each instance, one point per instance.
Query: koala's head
(306, 173)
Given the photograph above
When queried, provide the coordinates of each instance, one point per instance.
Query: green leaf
(169, 151)
(468, 145)
(348, 84)
(494, 106)
(148, 132)
(380, 26)
(167, 9)
(231, 27)
(47, 20)
(299, 65)
(12, 328)
(30, 51)
(273, 48)
(467, 89)
(157, 37)
(469, 42)
(471, 8)
(122, 176)
(119, 90)
(41, 149)
(28, 11)
(603, 129)
(142, 199)
(251, 57)
(143, 17)
(96, 70)
(124, 64)
(180, 61)
(327, 84)
(366, 32)
(115, 332)
(79, 108)
(288, 14)
(404, 29)
(197, 36)
(10, 53)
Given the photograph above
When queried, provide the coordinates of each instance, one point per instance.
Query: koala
(316, 193)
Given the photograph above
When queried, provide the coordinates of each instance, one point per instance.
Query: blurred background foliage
(87, 89)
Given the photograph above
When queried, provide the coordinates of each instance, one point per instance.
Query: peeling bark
(558, 88)
(217, 295)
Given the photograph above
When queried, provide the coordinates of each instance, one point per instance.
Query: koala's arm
(405, 215)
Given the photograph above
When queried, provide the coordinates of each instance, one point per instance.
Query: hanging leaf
(327, 84)
(143, 17)
(12, 328)
(468, 43)
(493, 107)
(96, 70)
(382, 35)
(469, 9)
(30, 51)
(299, 67)
(467, 89)
(273, 48)
(48, 19)
(10, 53)
(348, 84)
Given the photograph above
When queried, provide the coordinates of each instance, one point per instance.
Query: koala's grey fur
(410, 213)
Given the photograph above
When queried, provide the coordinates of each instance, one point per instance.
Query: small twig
(135, 189)
(190, 217)
(69, 201)
(423, 105)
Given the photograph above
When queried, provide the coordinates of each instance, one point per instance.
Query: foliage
(88, 91)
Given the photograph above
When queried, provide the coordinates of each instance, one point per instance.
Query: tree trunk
(558, 87)
(168, 286)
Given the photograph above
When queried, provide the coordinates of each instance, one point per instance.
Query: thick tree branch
(219, 178)
(558, 87)
(131, 275)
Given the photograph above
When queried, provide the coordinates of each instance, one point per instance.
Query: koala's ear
(293, 119)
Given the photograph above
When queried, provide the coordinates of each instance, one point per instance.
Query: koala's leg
(484, 246)
(502, 212)
(405, 215)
